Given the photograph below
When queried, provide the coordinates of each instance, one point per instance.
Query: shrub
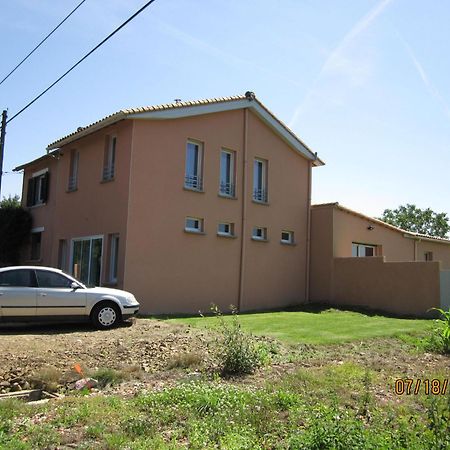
(108, 377)
(439, 341)
(237, 351)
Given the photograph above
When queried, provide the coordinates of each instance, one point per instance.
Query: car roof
(51, 269)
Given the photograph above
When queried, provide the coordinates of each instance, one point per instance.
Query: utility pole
(2, 146)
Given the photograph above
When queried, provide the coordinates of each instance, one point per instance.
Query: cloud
(429, 86)
(339, 63)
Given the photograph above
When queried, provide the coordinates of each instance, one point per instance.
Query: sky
(364, 83)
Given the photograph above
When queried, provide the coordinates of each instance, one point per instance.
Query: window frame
(230, 232)
(36, 232)
(291, 240)
(260, 194)
(263, 238)
(38, 188)
(194, 182)
(199, 220)
(72, 184)
(109, 160)
(227, 188)
(358, 245)
(114, 257)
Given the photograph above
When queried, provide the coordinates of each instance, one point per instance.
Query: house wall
(393, 281)
(96, 207)
(173, 271)
(396, 287)
(42, 215)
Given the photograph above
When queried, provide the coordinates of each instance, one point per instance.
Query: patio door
(87, 259)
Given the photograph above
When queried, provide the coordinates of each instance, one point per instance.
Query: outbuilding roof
(405, 233)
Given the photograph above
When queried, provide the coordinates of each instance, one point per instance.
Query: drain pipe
(308, 234)
(244, 211)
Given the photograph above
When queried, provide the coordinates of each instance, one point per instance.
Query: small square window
(287, 237)
(225, 229)
(259, 234)
(428, 256)
(193, 225)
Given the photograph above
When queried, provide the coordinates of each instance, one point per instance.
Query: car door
(17, 294)
(56, 297)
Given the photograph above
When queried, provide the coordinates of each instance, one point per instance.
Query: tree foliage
(416, 220)
(15, 228)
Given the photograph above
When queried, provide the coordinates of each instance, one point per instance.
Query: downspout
(244, 211)
(308, 235)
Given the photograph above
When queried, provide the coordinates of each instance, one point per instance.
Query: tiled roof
(253, 102)
(121, 114)
(380, 222)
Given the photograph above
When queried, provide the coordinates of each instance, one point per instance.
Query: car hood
(117, 293)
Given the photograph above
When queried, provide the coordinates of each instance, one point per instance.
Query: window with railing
(73, 174)
(194, 166)
(109, 163)
(227, 173)
(260, 180)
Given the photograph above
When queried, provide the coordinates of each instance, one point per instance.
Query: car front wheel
(105, 315)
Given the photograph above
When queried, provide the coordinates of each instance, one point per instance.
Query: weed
(184, 360)
(47, 378)
(237, 351)
(108, 377)
(439, 341)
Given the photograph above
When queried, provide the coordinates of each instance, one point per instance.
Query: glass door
(87, 260)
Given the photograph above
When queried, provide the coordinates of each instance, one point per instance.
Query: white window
(73, 176)
(113, 257)
(225, 229)
(86, 261)
(287, 237)
(260, 180)
(428, 256)
(194, 163)
(227, 169)
(363, 250)
(62, 254)
(109, 163)
(259, 233)
(193, 225)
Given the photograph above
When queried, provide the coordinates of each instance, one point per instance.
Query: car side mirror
(74, 285)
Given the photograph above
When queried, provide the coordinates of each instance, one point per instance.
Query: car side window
(17, 278)
(52, 280)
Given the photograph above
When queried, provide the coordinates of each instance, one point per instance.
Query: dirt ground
(145, 348)
(155, 353)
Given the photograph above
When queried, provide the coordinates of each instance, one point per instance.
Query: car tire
(105, 315)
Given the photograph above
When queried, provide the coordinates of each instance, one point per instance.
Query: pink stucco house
(184, 204)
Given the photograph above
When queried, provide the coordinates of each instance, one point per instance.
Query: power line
(40, 43)
(82, 59)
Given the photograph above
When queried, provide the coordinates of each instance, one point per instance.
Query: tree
(15, 228)
(416, 220)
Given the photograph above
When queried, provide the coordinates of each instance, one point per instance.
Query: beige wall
(173, 271)
(399, 288)
(397, 285)
(95, 208)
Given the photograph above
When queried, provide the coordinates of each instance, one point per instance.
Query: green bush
(237, 351)
(439, 341)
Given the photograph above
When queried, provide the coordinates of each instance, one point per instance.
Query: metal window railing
(227, 189)
(72, 183)
(193, 182)
(260, 195)
(108, 172)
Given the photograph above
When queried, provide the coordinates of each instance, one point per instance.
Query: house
(184, 204)
(361, 261)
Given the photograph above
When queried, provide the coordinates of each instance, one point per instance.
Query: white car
(44, 293)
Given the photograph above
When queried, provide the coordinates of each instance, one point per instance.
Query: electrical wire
(82, 59)
(40, 43)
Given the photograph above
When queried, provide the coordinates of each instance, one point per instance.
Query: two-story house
(184, 204)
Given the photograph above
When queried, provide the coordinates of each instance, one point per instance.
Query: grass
(303, 411)
(326, 327)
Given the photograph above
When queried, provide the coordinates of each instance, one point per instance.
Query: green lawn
(326, 327)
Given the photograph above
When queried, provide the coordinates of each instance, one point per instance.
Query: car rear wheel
(105, 315)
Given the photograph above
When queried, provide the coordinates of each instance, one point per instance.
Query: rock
(16, 387)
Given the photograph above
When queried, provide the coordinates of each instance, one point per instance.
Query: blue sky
(363, 82)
